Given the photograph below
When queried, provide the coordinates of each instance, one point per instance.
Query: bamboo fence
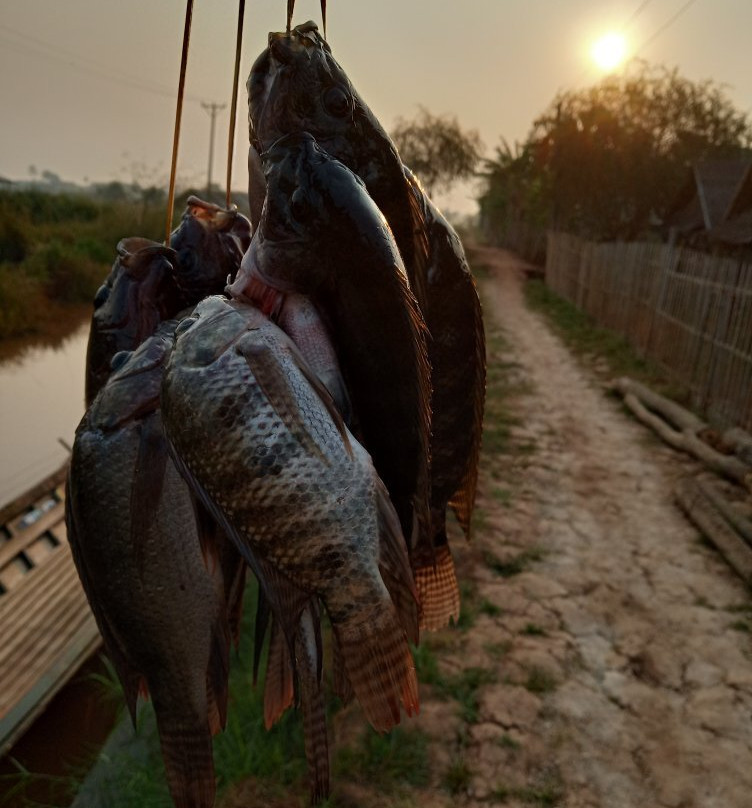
(688, 311)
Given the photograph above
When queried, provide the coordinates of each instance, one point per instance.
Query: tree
(437, 149)
(609, 157)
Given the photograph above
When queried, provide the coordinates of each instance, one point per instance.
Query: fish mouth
(207, 214)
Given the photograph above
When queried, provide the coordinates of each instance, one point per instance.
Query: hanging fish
(139, 293)
(210, 242)
(156, 583)
(271, 458)
(295, 85)
(321, 234)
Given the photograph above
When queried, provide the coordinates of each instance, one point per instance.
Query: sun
(609, 51)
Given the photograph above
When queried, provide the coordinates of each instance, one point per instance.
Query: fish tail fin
(278, 687)
(379, 666)
(187, 755)
(394, 564)
(438, 591)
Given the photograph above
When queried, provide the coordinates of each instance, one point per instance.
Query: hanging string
(290, 9)
(178, 116)
(234, 104)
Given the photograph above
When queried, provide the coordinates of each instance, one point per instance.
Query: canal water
(41, 403)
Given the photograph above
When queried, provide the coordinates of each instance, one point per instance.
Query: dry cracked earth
(603, 659)
(608, 664)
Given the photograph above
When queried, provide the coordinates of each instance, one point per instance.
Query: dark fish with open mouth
(155, 582)
(270, 456)
(139, 293)
(297, 85)
(210, 242)
(321, 234)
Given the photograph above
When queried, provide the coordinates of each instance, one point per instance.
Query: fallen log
(679, 416)
(701, 511)
(740, 443)
(688, 441)
(741, 525)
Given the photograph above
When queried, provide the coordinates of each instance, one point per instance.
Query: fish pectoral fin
(326, 397)
(274, 382)
(147, 484)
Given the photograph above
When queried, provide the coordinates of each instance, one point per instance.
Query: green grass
(456, 778)
(398, 758)
(581, 334)
(488, 608)
(56, 250)
(539, 680)
(514, 565)
(532, 630)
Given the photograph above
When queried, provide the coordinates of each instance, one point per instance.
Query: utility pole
(212, 109)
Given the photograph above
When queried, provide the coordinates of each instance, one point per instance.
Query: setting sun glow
(609, 51)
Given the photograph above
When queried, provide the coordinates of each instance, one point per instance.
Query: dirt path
(609, 655)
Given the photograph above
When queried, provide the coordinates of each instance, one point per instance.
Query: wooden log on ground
(740, 443)
(740, 524)
(687, 441)
(677, 415)
(700, 510)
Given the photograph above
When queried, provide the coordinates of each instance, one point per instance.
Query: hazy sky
(87, 87)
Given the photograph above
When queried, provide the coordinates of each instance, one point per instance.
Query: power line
(667, 24)
(636, 13)
(39, 48)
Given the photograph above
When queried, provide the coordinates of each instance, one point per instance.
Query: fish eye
(102, 294)
(185, 324)
(119, 359)
(300, 207)
(337, 102)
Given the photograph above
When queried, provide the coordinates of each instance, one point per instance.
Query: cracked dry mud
(615, 671)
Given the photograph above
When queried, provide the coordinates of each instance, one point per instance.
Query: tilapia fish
(457, 352)
(155, 583)
(321, 234)
(270, 456)
(139, 293)
(296, 85)
(210, 242)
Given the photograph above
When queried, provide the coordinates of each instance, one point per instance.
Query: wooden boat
(47, 630)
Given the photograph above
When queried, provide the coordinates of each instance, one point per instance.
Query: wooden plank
(23, 537)
(80, 647)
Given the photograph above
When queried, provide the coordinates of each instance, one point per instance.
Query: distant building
(714, 206)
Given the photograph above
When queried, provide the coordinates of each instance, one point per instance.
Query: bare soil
(615, 644)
